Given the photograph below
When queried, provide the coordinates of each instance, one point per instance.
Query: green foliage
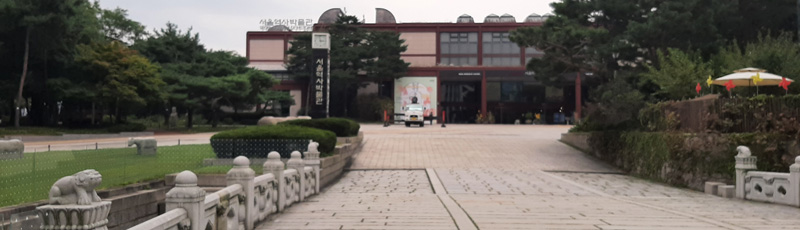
(371, 107)
(119, 75)
(200, 79)
(764, 114)
(677, 74)
(564, 42)
(616, 106)
(777, 54)
(342, 127)
(659, 117)
(326, 139)
(670, 157)
(127, 127)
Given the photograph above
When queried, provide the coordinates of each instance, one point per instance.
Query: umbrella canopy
(743, 77)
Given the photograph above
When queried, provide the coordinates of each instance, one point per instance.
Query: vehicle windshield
(414, 108)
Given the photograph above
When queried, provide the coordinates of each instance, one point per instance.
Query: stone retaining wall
(578, 140)
(131, 204)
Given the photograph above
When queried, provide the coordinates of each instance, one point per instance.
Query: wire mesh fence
(28, 177)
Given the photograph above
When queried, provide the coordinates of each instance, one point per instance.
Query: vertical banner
(320, 84)
(320, 76)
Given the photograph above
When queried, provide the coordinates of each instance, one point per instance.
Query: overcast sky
(223, 24)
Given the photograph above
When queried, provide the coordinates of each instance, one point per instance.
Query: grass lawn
(54, 131)
(29, 179)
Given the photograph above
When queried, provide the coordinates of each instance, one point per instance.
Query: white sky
(222, 24)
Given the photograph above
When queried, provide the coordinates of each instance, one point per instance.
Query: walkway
(507, 177)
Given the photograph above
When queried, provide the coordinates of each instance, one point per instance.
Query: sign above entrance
(292, 24)
(469, 74)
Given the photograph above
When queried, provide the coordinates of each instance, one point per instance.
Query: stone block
(727, 191)
(711, 187)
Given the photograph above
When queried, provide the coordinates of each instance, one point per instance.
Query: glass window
(459, 49)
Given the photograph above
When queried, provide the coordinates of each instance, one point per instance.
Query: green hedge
(690, 159)
(128, 127)
(326, 139)
(340, 126)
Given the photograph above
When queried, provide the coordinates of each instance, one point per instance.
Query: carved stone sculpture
(313, 146)
(11, 149)
(744, 151)
(76, 189)
(144, 146)
(74, 204)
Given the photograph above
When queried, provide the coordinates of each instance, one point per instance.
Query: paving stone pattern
(507, 177)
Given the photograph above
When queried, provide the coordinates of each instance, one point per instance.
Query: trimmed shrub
(326, 139)
(128, 127)
(340, 126)
(691, 159)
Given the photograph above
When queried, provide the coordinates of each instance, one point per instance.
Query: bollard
(179, 142)
(48, 148)
(443, 120)
(95, 146)
(385, 119)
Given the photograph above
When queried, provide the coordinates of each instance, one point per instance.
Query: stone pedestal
(77, 217)
(743, 164)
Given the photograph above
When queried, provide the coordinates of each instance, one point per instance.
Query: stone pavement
(507, 177)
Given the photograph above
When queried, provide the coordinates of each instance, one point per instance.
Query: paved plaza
(507, 177)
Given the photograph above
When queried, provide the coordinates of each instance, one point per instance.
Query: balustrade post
(794, 181)
(312, 159)
(744, 162)
(188, 196)
(243, 175)
(296, 162)
(275, 166)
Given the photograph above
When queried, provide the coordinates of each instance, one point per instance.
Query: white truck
(414, 114)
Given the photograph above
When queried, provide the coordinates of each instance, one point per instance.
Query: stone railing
(247, 200)
(781, 188)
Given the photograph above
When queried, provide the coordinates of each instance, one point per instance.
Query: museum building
(465, 68)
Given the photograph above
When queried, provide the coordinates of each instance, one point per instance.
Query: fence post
(243, 175)
(296, 162)
(312, 159)
(744, 163)
(188, 196)
(275, 166)
(794, 181)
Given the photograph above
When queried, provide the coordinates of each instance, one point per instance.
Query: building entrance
(462, 101)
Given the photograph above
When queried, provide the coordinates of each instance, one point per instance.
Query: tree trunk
(189, 115)
(117, 119)
(93, 113)
(22, 79)
(167, 114)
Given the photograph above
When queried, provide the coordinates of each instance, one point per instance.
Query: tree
(117, 26)
(677, 74)
(120, 76)
(567, 47)
(357, 55)
(198, 79)
(27, 34)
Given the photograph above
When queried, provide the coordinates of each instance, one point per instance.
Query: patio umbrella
(744, 77)
(751, 77)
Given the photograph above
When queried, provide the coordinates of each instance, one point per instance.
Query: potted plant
(528, 118)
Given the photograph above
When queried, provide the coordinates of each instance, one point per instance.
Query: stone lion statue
(11, 146)
(76, 189)
(313, 146)
(744, 151)
(144, 146)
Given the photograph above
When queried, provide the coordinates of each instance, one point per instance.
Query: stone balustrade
(247, 200)
(772, 187)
